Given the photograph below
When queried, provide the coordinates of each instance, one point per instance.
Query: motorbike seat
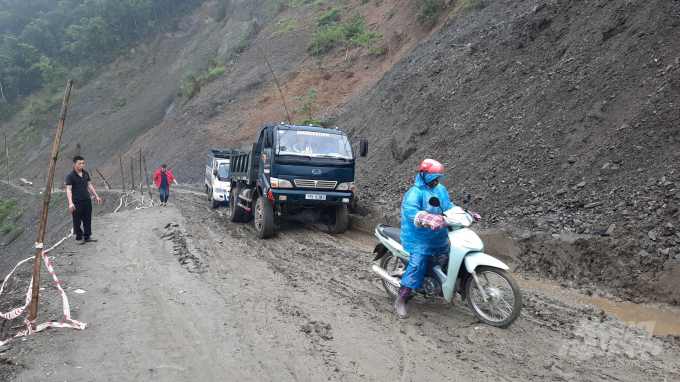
(390, 232)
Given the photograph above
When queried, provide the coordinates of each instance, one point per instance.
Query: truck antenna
(277, 84)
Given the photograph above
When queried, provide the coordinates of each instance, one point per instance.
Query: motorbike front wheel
(504, 297)
(395, 268)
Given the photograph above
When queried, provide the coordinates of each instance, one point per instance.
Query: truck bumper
(300, 197)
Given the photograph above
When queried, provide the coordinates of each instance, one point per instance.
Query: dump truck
(303, 173)
(217, 184)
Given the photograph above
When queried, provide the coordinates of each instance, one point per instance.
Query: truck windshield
(223, 170)
(313, 144)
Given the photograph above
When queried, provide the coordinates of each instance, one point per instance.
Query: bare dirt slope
(178, 292)
(560, 118)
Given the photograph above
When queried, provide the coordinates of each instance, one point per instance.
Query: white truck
(217, 185)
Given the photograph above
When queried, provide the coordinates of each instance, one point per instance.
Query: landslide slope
(557, 116)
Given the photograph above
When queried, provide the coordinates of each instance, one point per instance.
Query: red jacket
(168, 174)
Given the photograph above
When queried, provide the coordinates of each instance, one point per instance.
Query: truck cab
(217, 185)
(299, 172)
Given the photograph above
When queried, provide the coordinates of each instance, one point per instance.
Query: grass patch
(285, 25)
(120, 102)
(352, 34)
(56, 198)
(10, 212)
(328, 19)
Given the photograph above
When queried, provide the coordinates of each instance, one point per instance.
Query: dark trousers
(164, 191)
(82, 214)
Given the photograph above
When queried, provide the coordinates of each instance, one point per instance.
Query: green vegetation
(390, 13)
(120, 102)
(428, 10)
(352, 34)
(44, 42)
(191, 83)
(243, 42)
(362, 2)
(56, 198)
(328, 19)
(285, 25)
(307, 108)
(476, 3)
(221, 14)
(10, 212)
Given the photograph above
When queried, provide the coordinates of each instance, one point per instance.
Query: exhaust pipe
(386, 276)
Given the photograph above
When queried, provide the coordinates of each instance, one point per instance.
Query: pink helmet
(431, 166)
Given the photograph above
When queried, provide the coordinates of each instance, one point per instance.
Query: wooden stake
(148, 184)
(132, 173)
(46, 205)
(121, 172)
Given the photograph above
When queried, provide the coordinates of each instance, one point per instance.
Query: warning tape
(67, 310)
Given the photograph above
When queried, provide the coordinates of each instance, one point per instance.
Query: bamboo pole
(46, 205)
(122, 176)
(105, 182)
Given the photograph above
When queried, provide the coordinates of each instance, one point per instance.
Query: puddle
(661, 320)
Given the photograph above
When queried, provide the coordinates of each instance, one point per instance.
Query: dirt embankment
(559, 117)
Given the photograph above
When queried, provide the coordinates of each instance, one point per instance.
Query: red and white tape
(67, 311)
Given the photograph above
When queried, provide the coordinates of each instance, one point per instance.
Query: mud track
(178, 293)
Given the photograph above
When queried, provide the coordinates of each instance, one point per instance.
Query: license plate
(315, 196)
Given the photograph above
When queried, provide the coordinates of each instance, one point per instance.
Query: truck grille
(304, 183)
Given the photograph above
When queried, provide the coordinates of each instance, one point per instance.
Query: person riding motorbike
(423, 230)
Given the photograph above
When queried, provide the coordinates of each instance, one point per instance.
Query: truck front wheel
(264, 218)
(214, 203)
(235, 212)
(339, 217)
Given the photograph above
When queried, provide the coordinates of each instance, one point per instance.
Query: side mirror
(268, 139)
(434, 202)
(215, 172)
(363, 147)
(466, 200)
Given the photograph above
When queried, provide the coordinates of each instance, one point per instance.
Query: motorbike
(491, 293)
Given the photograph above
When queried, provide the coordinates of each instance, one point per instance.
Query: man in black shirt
(77, 186)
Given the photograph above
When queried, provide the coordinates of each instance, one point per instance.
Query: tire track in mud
(327, 283)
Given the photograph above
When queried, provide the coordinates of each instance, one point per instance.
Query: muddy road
(178, 292)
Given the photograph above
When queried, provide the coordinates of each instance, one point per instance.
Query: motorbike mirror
(467, 199)
(434, 201)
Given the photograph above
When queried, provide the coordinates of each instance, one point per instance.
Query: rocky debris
(190, 261)
(318, 328)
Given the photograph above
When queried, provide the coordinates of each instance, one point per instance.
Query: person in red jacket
(163, 177)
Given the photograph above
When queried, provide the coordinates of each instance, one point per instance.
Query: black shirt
(164, 179)
(79, 192)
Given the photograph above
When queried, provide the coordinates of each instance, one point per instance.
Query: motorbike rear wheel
(395, 268)
(505, 299)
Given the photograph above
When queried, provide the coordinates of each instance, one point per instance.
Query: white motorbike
(492, 294)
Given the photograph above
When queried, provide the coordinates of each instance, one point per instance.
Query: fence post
(122, 176)
(132, 173)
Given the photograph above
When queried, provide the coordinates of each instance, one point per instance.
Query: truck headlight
(347, 186)
(280, 183)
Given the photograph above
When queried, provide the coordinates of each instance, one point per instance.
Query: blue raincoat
(422, 242)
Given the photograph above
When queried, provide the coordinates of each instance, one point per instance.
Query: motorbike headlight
(280, 183)
(347, 186)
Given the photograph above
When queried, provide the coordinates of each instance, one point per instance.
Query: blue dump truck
(297, 172)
